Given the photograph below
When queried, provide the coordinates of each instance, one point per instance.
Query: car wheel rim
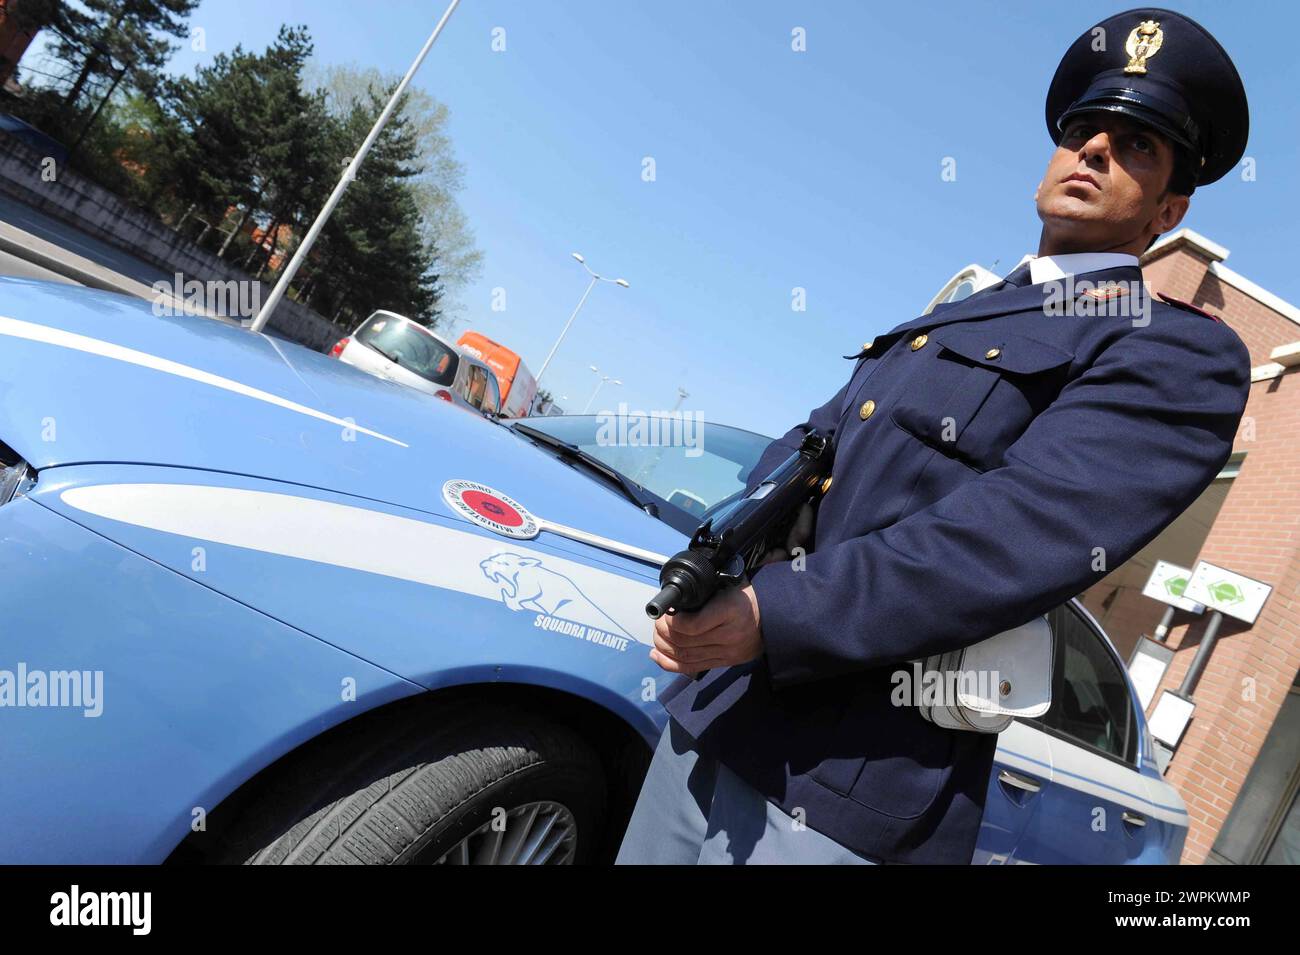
(536, 833)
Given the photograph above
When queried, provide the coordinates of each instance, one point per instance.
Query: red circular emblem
(487, 507)
(493, 508)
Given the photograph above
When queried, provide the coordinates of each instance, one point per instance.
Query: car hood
(93, 377)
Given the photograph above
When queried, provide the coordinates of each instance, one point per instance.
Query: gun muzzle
(663, 601)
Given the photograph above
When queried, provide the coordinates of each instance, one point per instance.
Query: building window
(1264, 824)
(964, 289)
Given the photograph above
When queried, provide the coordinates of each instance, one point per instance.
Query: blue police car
(258, 606)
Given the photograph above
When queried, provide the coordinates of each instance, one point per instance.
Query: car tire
(476, 785)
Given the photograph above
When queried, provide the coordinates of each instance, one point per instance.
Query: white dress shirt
(1053, 268)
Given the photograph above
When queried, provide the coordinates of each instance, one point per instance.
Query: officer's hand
(801, 533)
(724, 633)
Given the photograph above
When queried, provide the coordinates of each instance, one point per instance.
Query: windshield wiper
(633, 492)
(393, 358)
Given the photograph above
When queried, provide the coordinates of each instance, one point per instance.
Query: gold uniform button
(867, 410)
(992, 353)
(919, 341)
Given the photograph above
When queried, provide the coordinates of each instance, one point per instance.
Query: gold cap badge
(1142, 44)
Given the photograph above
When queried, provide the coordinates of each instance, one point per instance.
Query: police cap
(1163, 70)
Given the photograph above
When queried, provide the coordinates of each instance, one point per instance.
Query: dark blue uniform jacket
(1020, 445)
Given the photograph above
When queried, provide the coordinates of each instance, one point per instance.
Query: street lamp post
(590, 285)
(600, 384)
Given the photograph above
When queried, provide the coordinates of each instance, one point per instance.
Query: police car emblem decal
(488, 507)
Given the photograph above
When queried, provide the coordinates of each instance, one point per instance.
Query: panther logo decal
(526, 584)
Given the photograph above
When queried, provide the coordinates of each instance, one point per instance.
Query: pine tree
(372, 253)
(249, 135)
(106, 42)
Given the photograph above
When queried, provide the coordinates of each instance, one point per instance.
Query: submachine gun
(730, 543)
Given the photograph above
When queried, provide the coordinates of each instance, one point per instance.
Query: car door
(1094, 811)
(1022, 770)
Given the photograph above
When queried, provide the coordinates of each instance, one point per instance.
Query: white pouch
(1017, 665)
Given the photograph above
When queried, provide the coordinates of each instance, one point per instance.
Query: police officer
(985, 455)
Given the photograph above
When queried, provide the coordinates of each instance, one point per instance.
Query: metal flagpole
(349, 174)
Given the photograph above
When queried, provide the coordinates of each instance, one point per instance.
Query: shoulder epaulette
(1187, 306)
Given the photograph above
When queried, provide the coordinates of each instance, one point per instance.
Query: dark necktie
(1019, 277)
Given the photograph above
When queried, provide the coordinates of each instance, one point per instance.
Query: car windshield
(687, 463)
(407, 344)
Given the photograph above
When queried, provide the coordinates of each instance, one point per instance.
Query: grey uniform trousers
(695, 811)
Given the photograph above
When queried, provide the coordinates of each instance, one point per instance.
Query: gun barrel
(663, 601)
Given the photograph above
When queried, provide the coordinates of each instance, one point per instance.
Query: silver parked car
(394, 347)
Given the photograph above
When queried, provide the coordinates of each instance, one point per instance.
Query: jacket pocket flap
(991, 348)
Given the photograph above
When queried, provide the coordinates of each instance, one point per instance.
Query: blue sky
(774, 169)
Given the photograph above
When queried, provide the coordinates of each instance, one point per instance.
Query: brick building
(1238, 762)
(14, 39)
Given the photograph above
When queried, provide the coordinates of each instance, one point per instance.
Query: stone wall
(90, 208)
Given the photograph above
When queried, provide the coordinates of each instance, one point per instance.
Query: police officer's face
(1106, 187)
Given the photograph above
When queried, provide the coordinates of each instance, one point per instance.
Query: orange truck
(518, 386)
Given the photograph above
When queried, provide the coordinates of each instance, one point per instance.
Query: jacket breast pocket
(979, 391)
